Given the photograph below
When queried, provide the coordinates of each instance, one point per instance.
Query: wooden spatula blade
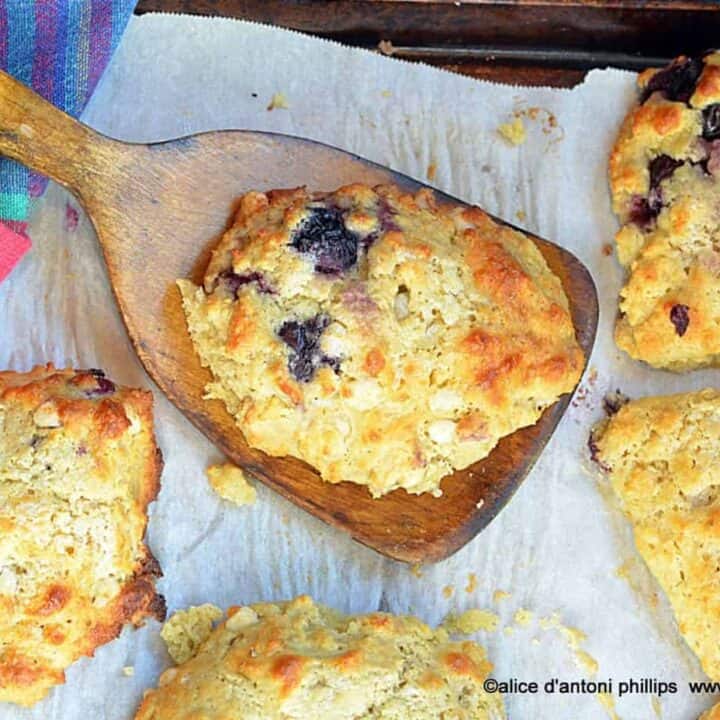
(158, 209)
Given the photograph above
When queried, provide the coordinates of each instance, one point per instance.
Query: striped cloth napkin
(60, 48)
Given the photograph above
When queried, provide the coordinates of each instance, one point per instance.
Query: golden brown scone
(302, 661)
(661, 455)
(663, 176)
(78, 467)
(381, 337)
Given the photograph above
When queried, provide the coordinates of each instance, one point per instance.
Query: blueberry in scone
(381, 337)
(664, 171)
(303, 337)
(661, 457)
(299, 661)
(325, 237)
(78, 468)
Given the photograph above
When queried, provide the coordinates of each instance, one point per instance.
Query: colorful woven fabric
(60, 48)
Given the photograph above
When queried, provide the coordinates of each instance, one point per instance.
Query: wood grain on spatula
(158, 208)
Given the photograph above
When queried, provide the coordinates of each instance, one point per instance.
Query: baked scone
(78, 467)
(303, 661)
(712, 714)
(379, 336)
(663, 177)
(662, 458)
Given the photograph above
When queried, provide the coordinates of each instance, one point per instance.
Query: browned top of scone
(78, 468)
(385, 338)
(277, 661)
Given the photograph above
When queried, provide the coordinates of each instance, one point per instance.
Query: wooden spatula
(157, 210)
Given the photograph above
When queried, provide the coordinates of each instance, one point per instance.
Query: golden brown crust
(78, 468)
(661, 455)
(431, 333)
(663, 178)
(296, 660)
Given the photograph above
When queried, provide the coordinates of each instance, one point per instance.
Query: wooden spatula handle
(37, 134)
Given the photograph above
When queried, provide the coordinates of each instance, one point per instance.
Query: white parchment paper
(555, 548)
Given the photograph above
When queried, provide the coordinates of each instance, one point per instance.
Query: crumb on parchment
(448, 591)
(431, 171)
(187, 629)
(513, 132)
(128, 671)
(574, 639)
(548, 119)
(500, 595)
(471, 621)
(587, 662)
(523, 617)
(608, 702)
(472, 583)
(278, 102)
(231, 484)
(542, 117)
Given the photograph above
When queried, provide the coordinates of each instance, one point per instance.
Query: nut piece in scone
(662, 457)
(381, 337)
(78, 467)
(231, 484)
(299, 660)
(664, 171)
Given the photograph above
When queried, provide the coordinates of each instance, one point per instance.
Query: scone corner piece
(78, 467)
(384, 338)
(661, 457)
(299, 659)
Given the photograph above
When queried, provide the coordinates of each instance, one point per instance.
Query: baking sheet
(558, 545)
